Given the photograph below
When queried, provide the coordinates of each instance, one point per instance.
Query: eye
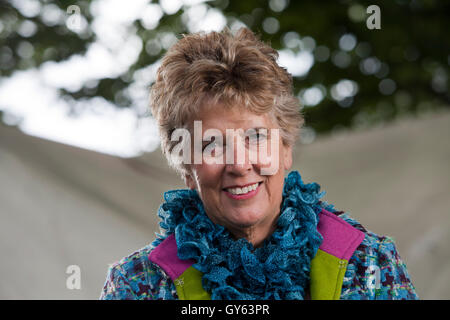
(212, 148)
(209, 145)
(257, 137)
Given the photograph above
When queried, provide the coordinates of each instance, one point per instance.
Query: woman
(228, 120)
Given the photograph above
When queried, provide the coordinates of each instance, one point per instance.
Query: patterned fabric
(376, 271)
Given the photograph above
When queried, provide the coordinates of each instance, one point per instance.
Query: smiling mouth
(243, 190)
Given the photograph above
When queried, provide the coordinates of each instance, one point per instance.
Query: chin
(245, 219)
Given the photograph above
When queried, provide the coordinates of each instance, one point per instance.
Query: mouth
(242, 192)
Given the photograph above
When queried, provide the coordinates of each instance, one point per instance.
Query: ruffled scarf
(234, 269)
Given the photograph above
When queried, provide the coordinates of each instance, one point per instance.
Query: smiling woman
(241, 231)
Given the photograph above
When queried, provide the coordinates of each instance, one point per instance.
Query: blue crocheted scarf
(234, 269)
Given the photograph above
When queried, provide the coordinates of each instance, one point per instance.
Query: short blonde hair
(233, 70)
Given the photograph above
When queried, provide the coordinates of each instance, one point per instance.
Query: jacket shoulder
(376, 270)
(135, 277)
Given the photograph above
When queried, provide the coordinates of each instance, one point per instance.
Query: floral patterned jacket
(375, 271)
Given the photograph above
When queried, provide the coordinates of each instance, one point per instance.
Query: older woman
(228, 121)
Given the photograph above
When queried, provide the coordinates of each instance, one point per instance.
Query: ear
(189, 180)
(287, 157)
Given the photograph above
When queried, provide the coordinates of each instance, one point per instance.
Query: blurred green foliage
(402, 68)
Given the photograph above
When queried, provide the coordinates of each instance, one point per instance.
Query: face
(239, 194)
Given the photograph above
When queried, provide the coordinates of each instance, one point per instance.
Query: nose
(238, 163)
(239, 169)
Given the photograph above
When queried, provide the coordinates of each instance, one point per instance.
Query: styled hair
(225, 69)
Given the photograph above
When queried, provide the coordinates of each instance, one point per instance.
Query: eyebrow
(210, 138)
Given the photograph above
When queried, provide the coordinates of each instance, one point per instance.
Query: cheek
(271, 158)
(275, 186)
(207, 176)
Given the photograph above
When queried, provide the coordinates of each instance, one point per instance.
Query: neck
(255, 234)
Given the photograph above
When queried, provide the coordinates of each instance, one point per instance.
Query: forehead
(237, 117)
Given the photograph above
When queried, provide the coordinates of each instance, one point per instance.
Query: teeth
(244, 190)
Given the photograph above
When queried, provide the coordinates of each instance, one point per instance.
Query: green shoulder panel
(327, 276)
(189, 285)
